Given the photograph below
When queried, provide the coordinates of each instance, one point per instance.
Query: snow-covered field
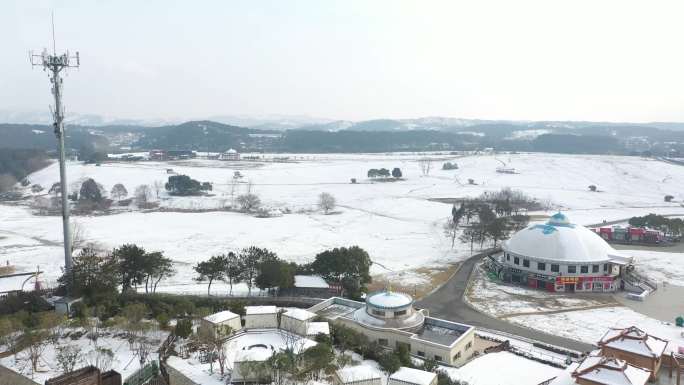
(501, 300)
(394, 221)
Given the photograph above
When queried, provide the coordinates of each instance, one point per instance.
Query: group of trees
(262, 268)
(450, 166)
(183, 185)
(670, 226)
(384, 173)
(98, 275)
(254, 266)
(481, 220)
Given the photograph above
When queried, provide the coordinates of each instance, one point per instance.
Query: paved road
(447, 302)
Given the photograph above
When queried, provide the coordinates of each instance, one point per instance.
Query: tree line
(262, 268)
(670, 226)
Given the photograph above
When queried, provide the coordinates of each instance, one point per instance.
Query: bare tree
(451, 230)
(36, 343)
(158, 187)
(425, 165)
(101, 358)
(326, 202)
(118, 192)
(67, 357)
(143, 193)
(248, 202)
(78, 236)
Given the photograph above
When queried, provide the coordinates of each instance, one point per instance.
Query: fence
(143, 375)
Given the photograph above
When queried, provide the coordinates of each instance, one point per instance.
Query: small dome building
(561, 256)
(390, 309)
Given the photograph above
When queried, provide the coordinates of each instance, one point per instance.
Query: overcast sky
(606, 60)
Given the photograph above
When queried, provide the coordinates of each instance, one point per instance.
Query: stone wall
(177, 378)
(10, 377)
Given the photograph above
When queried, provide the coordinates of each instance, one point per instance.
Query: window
(572, 269)
(541, 266)
(379, 312)
(594, 268)
(457, 356)
(383, 342)
(605, 267)
(555, 268)
(526, 262)
(598, 286)
(469, 345)
(404, 344)
(584, 269)
(508, 257)
(438, 358)
(420, 354)
(587, 286)
(516, 260)
(399, 313)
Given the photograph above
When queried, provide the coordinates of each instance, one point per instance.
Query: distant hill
(377, 135)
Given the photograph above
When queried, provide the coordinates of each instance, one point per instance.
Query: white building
(261, 317)
(410, 376)
(222, 323)
(357, 375)
(296, 321)
(389, 318)
(562, 256)
(230, 155)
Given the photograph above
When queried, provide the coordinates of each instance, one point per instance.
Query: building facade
(390, 319)
(562, 256)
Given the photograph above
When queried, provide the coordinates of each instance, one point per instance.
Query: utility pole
(53, 65)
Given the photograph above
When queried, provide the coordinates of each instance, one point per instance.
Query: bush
(668, 198)
(163, 320)
(389, 362)
(184, 328)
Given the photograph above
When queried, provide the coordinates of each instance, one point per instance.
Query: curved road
(447, 302)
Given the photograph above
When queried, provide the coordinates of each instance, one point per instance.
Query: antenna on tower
(54, 64)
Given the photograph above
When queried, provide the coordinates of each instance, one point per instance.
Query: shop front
(585, 284)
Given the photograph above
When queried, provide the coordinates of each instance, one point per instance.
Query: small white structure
(230, 155)
(296, 321)
(357, 375)
(261, 317)
(222, 323)
(409, 376)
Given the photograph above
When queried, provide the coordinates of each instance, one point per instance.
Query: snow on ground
(275, 340)
(499, 299)
(502, 368)
(659, 266)
(590, 325)
(125, 360)
(394, 221)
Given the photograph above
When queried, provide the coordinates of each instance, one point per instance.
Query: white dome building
(562, 256)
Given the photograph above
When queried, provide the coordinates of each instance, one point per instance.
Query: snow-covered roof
(310, 281)
(413, 376)
(560, 240)
(254, 310)
(389, 299)
(221, 316)
(316, 328)
(300, 314)
(358, 373)
(634, 340)
(254, 353)
(611, 371)
(231, 151)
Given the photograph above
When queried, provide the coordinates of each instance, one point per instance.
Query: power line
(53, 65)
